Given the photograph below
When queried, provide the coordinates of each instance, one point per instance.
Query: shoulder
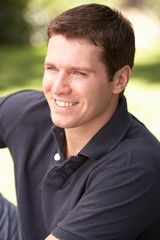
(144, 148)
(138, 152)
(19, 103)
(130, 170)
(23, 109)
(21, 98)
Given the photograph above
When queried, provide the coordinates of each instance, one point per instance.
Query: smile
(65, 104)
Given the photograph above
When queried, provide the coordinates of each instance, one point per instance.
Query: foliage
(22, 67)
(40, 13)
(23, 21)
(13, 27)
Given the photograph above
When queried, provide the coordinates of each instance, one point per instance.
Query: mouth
(64, 103)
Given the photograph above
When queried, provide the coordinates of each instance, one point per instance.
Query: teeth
(65, 104)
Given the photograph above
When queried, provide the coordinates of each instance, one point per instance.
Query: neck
(77, 138)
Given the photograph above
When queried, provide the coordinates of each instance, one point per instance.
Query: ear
(121, 78)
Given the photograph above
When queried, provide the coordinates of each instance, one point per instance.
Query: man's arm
(51, 237)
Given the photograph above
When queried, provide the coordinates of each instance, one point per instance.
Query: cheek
(46, 84)
(92, 98)
(101, 96)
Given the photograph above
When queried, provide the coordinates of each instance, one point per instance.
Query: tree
(13, 27)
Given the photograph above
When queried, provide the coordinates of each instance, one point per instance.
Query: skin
(51, 237)
(77, 88)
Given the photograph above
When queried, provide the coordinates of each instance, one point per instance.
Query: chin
(61, 124)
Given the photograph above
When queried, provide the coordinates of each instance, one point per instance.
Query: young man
(85, 168)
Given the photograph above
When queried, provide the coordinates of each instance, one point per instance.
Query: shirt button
(57, 157)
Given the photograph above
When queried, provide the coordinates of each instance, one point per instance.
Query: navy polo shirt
(109, 191)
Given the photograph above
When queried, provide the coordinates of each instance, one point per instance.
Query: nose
(61, 85)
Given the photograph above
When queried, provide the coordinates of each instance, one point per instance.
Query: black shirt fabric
(9, 224)
(109, 191)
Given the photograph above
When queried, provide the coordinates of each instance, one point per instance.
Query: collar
(111, 134)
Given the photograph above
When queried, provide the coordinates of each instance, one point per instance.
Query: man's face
(76, 84)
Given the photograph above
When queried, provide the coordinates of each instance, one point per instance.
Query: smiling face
(76, 84)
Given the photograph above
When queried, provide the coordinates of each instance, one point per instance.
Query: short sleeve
(13, 109)
(118, 203)
(10, 110)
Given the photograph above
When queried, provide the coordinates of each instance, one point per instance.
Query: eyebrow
(75, 68)
(48, 64)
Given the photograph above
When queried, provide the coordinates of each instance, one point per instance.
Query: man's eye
(79, 73)
(52, 68)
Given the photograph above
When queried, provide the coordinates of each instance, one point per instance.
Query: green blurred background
(23, 26)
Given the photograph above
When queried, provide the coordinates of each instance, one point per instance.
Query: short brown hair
(103, 27)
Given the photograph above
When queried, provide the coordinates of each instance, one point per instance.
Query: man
(85, 168)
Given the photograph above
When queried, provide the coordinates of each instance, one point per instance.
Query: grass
(22, 68)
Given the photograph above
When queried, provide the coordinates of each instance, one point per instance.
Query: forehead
(60, 46)
(62, 38)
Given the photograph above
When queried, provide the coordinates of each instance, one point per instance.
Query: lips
(65, 104)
